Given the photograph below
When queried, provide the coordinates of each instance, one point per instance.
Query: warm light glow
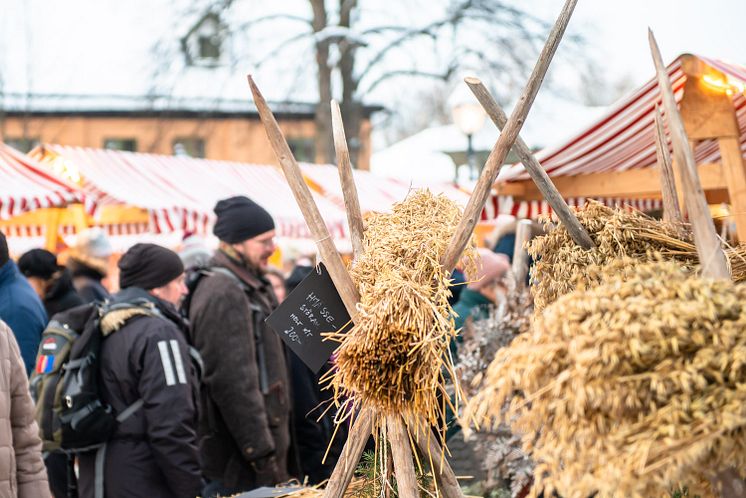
(727, 86)
(65, 169)
(469, 117)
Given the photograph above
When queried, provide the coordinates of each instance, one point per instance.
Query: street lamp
(469, 117)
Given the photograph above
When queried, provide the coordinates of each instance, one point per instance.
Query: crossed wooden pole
(395, 424)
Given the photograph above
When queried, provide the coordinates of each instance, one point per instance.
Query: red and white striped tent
(375, 193)
(622, 141)
(25, 186)
(179, 193)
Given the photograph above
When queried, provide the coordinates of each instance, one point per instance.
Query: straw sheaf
(396, 357)
(629, 388)
(562, 265)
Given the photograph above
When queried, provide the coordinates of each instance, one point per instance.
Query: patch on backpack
(45, 364)
(49, 344)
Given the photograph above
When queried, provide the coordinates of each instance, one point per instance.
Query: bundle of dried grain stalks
(395, 356)
(629, 388)
(618, 232)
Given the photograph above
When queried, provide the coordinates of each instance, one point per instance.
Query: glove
(267, 473)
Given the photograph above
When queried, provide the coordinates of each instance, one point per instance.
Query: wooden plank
(711, 255)
(406, 478)
(642, 183)
(735, 176)
(671, 209)
(520, 255)
(329, 254)
(534, 169)
(352, 203)
(343, 472)
(496, 158)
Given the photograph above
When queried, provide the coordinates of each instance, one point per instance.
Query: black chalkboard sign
(313, 308)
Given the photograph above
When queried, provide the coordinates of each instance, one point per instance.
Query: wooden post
(352, 203)
(534, 169)
(343, 472)
(734, 170)
(333, 261)
(520, 255)
(671, 209)
(709, 113)
(52, 227)
(711, 255)
(406, 479)
(505, 142)
(428, 445)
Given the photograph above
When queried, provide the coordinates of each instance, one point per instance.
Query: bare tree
(361, 49)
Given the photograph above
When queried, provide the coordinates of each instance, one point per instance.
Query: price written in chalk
(312, 310)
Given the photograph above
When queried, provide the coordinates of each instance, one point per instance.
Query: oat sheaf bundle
(395, 355)
(629, 388)
(617, 232)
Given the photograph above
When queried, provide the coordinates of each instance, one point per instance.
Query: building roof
(27, 185)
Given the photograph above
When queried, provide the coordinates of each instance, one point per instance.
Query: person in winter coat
(22, 474)
(88, 261)
(20, 308)
(475, 301)
(52, 282)
(145, 356)
(244, 416)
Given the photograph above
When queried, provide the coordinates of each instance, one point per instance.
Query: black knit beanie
(240, 219)
(38, 263)
(4, 256)
(148, 266)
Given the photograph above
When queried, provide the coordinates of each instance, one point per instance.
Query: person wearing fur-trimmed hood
(145, 356)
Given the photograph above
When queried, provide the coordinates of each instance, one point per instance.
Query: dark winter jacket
(313, 435)
(87, 282)
(22, 310)
(61, 295)
(154, 452)
(244, 417)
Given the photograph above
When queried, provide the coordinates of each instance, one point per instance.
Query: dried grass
(561, 265)
(395, 358)
(628, 388)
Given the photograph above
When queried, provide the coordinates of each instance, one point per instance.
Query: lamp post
(469, 118)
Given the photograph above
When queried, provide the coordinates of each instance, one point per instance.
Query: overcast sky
(617, 31)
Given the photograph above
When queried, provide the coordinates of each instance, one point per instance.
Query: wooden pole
(496, 158)
(428, 445)
(671, 209)
(734, 171)
(406, 479)
(534, 169)
(303, 197)
(352, 203)
(711, 255)
(520, 255)
(342, 474)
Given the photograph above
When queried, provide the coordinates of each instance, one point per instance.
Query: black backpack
(65, 383)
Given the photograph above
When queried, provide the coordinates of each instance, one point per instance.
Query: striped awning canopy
(25, 185)
(375, 193)
(624, 138)
(179, 193)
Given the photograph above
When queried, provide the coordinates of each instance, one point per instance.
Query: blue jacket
(22, 310)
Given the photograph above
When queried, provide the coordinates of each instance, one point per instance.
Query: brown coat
(22, 472)
(245, 406)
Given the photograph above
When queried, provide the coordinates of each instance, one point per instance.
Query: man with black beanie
(20, 307)
(145, 357)
(244, 416)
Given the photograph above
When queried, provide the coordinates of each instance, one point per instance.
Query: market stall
(32, 201)
(612, 159)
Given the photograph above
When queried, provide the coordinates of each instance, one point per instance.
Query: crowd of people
(215, 403)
